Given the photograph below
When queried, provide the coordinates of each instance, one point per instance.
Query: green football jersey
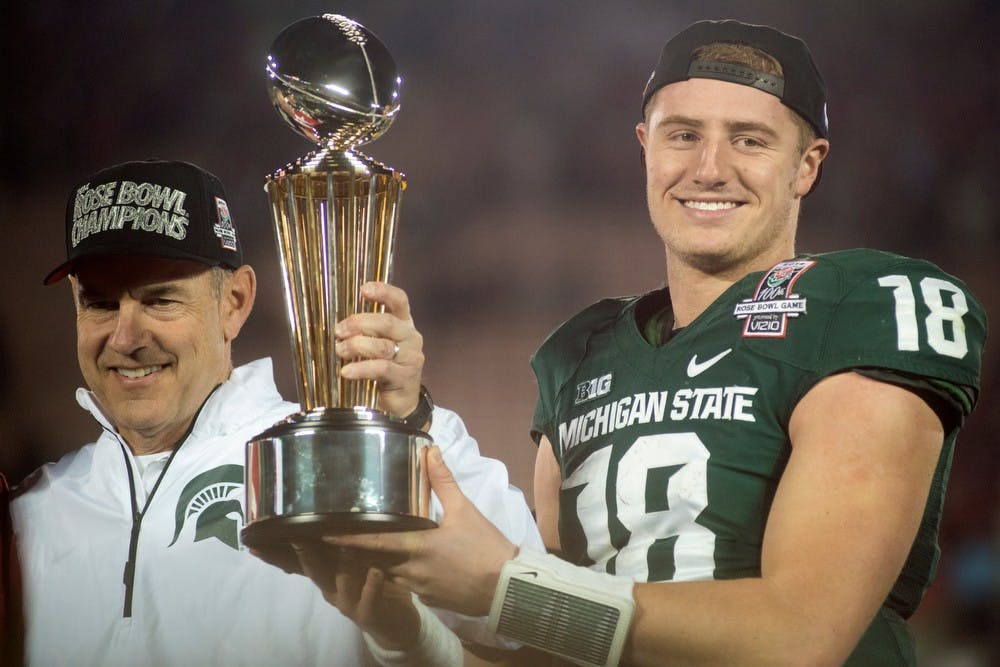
(670, 456)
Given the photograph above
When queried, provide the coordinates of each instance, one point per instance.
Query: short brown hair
(734, 53)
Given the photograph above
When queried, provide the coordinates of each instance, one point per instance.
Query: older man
(130, 545)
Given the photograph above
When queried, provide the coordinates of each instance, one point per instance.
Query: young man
(771, 432)
(130, 546)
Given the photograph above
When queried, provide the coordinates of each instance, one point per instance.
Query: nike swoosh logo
(694, 368)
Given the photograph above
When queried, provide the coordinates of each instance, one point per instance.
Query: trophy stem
(284, 211)
(382, 243)
(335, 215)
(349, 221)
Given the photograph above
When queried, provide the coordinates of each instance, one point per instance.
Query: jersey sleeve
(899, 319)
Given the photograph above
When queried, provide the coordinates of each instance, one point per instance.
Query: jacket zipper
(128, 576)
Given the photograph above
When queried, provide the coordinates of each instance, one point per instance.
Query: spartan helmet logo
(212, 501)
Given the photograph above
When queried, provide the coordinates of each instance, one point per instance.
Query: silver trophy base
(335, 472)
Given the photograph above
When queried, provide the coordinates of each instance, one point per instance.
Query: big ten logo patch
(591, 389)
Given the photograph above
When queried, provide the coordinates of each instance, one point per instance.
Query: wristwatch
(421, 415)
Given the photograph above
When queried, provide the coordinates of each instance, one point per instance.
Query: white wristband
(436, 645)
(579, 614)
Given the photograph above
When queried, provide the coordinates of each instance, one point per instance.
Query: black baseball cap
(801, 88)
(149, 208)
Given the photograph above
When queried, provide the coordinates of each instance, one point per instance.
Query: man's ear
(809, 166)
(238, 294)
(640, 133)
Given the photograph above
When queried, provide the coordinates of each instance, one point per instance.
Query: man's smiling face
(724, 174)
(151, 343)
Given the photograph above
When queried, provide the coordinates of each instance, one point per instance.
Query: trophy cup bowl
(340, 465)
(333, 81)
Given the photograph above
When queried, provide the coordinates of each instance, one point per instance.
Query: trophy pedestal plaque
(340, 465)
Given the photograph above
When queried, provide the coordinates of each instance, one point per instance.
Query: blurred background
(525, 193)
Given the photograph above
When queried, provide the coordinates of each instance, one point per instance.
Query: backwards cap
(801, 88)
(151, 208)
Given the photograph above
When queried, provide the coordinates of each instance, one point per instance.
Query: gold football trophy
(340, 465)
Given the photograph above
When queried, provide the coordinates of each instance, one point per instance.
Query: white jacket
(199, 597)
